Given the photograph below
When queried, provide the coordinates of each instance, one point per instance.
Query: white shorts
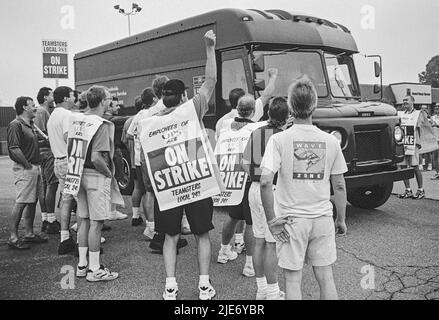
(311, 241)
(260, 226)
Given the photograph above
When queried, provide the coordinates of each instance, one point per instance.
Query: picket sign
(229, 151)
(179, 158)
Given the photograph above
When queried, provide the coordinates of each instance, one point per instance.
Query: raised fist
(210, 39)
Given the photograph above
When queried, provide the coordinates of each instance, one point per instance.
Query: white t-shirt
(57, 126)
(226, 119)
(304, 157)
(134, 129)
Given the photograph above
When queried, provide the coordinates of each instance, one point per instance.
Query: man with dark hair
(264, 254)
(237, 93)
(57, 129)
(299, 213)
(146, 100)
(24, 152)
(94, 195)
(199, 213)
(48, 181)
(412, 160)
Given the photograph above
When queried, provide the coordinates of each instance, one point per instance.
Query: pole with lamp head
(135, 9)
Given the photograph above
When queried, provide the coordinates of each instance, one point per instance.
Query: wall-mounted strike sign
(55, 59)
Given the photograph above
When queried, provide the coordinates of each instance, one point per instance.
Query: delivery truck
(249, 42)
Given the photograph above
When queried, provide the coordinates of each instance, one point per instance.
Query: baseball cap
(174, 87)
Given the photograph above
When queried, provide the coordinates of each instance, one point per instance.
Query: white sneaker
(225, 255)
(148, 233)
(429, 167)
(207, 293)
(261, 295)
(170, 293)
(248, 271)
(81, 272)
(280, 296)
(102, 274)
(239, 247)
(116, 215)
(103, 240)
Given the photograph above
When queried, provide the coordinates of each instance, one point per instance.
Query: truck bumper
(378, 178)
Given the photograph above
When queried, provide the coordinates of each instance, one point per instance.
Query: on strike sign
(55, 59)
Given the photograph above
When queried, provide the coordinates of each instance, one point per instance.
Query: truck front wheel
(370, 197)
(126, 179)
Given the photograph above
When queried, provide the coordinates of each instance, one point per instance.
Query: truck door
(235, 73)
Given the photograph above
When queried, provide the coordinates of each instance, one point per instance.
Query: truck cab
(249, 42)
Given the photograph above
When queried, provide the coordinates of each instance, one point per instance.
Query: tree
(431, 74)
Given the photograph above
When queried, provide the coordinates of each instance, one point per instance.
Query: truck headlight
(398, 134)
(337, 135)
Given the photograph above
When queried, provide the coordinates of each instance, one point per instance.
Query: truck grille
(369, 145)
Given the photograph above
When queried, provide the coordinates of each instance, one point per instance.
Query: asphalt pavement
(389, 253)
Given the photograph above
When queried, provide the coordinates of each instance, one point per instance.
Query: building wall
(7, 114)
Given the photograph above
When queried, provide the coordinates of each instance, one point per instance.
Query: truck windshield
(291, 66)
(340, 74)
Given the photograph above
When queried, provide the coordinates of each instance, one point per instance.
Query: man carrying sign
(180, 164)
(411, 124)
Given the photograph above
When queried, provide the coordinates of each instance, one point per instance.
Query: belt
(60, 158)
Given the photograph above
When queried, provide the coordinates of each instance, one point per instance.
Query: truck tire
(370, 197)
(126, 181)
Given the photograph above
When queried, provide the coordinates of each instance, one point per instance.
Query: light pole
(135, 8)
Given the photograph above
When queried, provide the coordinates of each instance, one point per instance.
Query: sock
(239, 237)
(150, 225)
(421, 189)
(65, 235)
(94, 260)
(272, 291)
(261, 283)
(136, 213)
(226, 247)
(408, 189)
(51, 217)
(82, 256)
(43, 216)
(249, 260)
(171, 282)
(204, 281)
(184, 221)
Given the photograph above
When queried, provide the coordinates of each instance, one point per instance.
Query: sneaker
(435, 177)
(44, 226)
(248, 271)
(207, 292)
(136, 221)
(53, 228)
(81, 272)
(170, 293)
(239, 247)
(261, 295)
(116, 215)
(225, 255)
(103, 240)
(408, 194)
(280, 296)
(102, 274)
(149, 233)
(156, 243)
(420, 194)
(66, 246)
(429, 167)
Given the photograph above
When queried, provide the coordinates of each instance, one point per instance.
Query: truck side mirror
(259, 84)
(377, 69)
(259, 63)
(376, 88)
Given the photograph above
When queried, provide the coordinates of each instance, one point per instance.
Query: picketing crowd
(283, 202)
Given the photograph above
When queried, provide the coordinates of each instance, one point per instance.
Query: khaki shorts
(94, 196)
(260, 226)
(311, 241)
(26, 183)
(60, 169)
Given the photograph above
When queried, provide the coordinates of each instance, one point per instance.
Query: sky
(403, 32)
